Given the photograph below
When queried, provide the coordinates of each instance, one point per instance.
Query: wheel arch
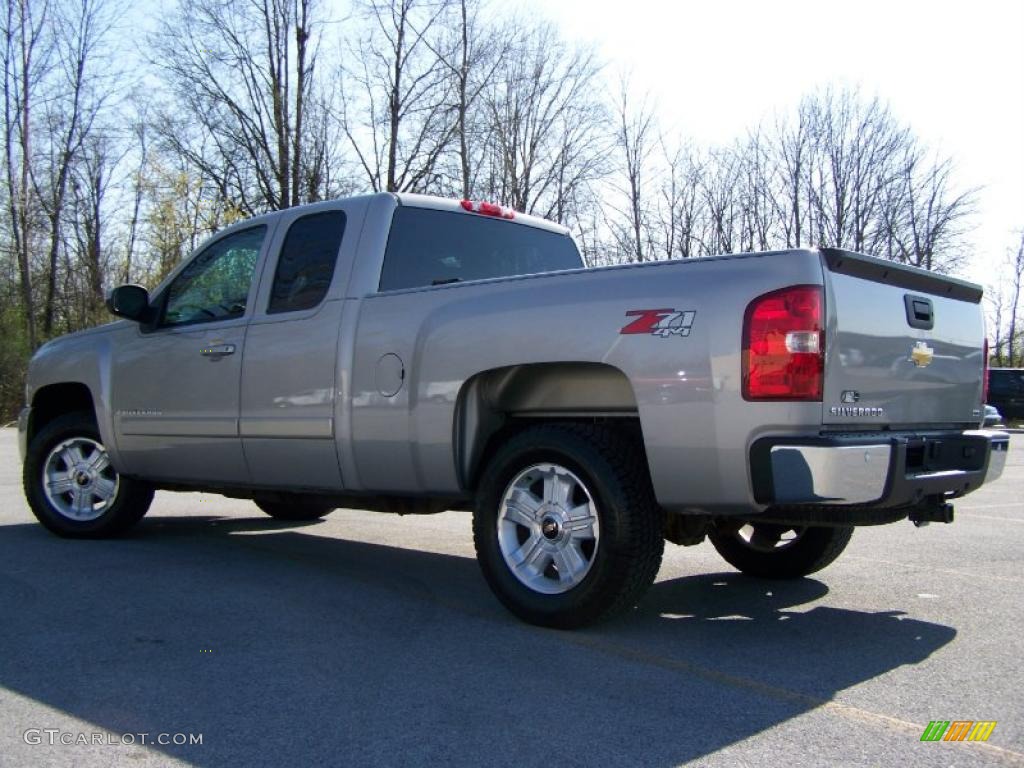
(54, 400)
(493, 405)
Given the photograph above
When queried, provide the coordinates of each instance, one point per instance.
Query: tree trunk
(395, 105)
(1018, 277)
(301, 37)
(463, 106)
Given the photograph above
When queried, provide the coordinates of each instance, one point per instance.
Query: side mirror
(130, 301)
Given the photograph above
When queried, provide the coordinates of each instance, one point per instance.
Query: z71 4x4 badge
(660, 322)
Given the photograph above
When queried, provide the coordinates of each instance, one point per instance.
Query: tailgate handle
(920, 313)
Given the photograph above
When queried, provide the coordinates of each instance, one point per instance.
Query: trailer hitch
(934, 509)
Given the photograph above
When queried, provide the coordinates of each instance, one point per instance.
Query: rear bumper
(875, 469)
(23, 419)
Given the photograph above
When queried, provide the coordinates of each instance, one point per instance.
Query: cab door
(290, 377)
(175, 384)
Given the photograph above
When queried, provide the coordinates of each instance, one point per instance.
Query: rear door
(290, 377)
(904, 346)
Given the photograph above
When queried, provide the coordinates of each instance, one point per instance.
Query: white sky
(954, 71)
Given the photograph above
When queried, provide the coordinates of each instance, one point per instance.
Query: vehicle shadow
(283, 646)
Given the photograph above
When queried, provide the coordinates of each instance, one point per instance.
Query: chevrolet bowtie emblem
(921, 355)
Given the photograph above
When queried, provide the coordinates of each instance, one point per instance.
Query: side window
(428, 247)
(215, 284)
(306, 264)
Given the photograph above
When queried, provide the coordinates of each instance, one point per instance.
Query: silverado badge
(921, 355)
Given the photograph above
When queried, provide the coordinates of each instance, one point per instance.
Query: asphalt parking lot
(370, 639)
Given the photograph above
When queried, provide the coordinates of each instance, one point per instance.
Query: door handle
(217, 351)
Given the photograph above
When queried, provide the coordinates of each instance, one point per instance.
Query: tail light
(984, 374)
(784, 345)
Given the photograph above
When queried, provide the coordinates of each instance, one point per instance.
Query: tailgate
(904, 346)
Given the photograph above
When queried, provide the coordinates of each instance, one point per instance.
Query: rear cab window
(428, 247)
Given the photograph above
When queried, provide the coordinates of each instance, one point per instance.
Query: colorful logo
(660, 322)
(958, 730)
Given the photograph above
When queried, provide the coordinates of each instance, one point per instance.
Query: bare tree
(720, 189)
(26, 49)
(1003, 297)
(634, 136)
(792, 149)
(396, 112)
(926, 217)
(678, 209)
(140, 136)
(841, 172)
(242, 76)
(759, 224)
(995, 298)
(1015, 354)
(72, 107)
(89, 259)
(470, 50)
(856, 146)
(548, 127)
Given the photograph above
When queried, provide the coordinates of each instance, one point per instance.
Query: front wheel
(566, 527)
(778, 551)
(71, 485)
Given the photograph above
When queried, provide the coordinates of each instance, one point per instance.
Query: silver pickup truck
(410, 354)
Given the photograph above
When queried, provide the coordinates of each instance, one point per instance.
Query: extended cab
(411, 354)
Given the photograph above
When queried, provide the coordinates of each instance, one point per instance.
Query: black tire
(811, 550)
(130, 502)
(293, 511)
(625, 560)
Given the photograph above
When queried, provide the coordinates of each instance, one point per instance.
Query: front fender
(82, 358)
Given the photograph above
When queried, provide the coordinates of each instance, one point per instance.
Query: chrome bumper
(876, 470)
(23, 419)
(999, 447)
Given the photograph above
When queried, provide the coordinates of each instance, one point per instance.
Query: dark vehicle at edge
(1006, 391)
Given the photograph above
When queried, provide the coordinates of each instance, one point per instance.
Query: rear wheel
(293, 510)
(71, 485)
(566, 527)
(778, 551)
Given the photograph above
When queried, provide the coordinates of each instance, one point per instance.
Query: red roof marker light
(488, 209)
